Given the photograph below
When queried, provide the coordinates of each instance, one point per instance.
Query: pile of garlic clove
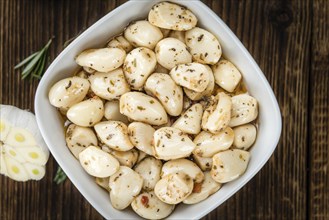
(23, 152)
(158, 117)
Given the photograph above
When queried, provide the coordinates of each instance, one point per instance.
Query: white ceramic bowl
(51, 126)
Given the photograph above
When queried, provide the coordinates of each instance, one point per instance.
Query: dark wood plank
(277, 34)
(319, 113)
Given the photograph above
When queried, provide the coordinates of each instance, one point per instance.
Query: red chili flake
(145, 201)
(197, 187)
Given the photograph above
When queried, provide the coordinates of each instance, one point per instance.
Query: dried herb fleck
(141, 108)
(134, 63)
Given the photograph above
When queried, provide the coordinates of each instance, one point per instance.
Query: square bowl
(51, 125)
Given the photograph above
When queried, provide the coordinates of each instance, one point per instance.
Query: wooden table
(288, 39)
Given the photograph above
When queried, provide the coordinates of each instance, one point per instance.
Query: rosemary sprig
(66, 43)
(35, 63)
(60, 176)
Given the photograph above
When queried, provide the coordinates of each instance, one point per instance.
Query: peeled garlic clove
(171, 52)
(78, 138)
(185, 166)
(16, 170)
(112, 112)
(125, 185)
(33, 155)
(141, 136)
(193, 76)
(171, 143)
(103, 182)
(171, 16)
(98, 163)
(174, 188)
(244, 110)
(207, 92)
(208, 144)
(149, 169)
(218, 115)
(68, 92)
(125, 158)
(101, 60)
(120, 42)
(143, 34)
(190, 121)
(114, 134)
(229, 165)
(203, 45)
(203, 190)
(13, 153)
(19, 137)
(138, 65)
(86, 113)
(244, 136)
(205, 163)
(35, 172)
(148, 206)
(110, 85)
(226, 75)
(166, 91)
(143, 108)
(179, 35)
(4, 129)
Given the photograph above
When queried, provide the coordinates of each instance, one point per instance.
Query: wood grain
(268, 30)
(319, 113)
(289, 41)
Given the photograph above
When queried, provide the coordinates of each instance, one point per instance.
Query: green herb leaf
(25, 61)
(60, 176)
(40, 66)
(32, 63)
(35, 64)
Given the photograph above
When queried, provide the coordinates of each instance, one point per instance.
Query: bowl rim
(277, 115)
